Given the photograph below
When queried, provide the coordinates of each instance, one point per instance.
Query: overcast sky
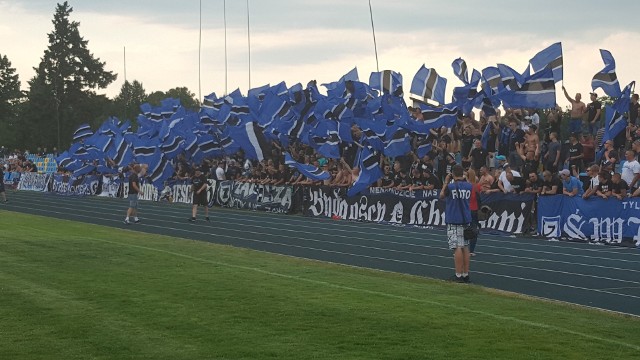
(301, 40)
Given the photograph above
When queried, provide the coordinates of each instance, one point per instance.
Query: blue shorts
(575, 126)
(133, 201)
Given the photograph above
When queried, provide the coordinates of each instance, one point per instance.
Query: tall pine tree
(62, 95)
(10, 96)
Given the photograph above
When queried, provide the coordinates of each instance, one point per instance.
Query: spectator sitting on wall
(551, 184)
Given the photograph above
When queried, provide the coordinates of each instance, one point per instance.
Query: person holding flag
(199, 186)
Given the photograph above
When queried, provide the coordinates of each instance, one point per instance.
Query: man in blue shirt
(457, 217)
(570, 184)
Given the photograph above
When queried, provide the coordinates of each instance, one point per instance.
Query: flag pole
(224, 3)
(126, 97)
(200, 56)
(249, 42)
(373, 29)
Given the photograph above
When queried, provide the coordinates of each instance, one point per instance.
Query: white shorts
(455, 235)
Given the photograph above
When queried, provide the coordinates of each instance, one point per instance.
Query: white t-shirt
(505, 182)
(629, 171)
(220, 174)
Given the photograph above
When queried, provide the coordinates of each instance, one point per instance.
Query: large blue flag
(309, 171)
(351, 75)
(511, 79)
(387, 81)
(615, 117)
(251, 139)
(460, 70)
(550, 57)
(398, 143)
(428, 84)
(537, 92)
(491, 80)
(370, 172)
(607, 78)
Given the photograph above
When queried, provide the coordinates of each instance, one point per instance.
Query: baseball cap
(565, 172)
(592, 93)
(501, 157)
(506, 165)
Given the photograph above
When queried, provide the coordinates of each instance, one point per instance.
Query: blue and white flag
(550, 57)
(485, 135)
(82, 132)
(351, 75)
(252, 141)
(429, 85)
(309, 171)
(370, 172)
(511, 79)
(460, 70)
(387, 82)
(537, 92)
(607, 78)
(491, 80)
(397, 144)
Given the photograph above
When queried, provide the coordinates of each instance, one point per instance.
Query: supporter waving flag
(309, 171)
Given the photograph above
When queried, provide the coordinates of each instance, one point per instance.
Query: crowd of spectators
(526, 151)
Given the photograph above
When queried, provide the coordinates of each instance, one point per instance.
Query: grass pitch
(69, 290)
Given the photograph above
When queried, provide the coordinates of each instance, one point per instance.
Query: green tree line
(62, 95)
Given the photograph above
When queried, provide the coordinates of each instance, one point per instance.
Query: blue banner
(75, 186)
(597, 220)
(34, 182)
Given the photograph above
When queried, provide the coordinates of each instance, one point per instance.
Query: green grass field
(75, 291)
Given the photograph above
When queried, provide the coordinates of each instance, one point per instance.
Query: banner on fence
(595, 220)
(110, 186)
(34, 182)
(177, 191)
(419, 208)
(241, 195)
(75, 186)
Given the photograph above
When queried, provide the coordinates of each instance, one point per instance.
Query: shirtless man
(531, 138)
(577, 111)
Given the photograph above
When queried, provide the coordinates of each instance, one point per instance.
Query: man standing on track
(199, 186)
(457, 217)
(134, 191)
(3, 193)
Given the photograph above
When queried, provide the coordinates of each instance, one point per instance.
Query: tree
(61, 94)
(187, 98)
(127, 104)
(10, 96)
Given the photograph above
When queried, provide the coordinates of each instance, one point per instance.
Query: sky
(302, 40)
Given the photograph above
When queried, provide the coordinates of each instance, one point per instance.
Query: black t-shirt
(634, 110)
(575, 150)
(417, 181)
(465, 144)
(535, 185)
(518, 184)
(433, 180)
(516, 137)
(547, 185)
(387, 179)
(133, 178)
(605, 164)
(617, 188)
(530, 166)
(197, 182)
(592, 108)
(604, 187)
(478, 158)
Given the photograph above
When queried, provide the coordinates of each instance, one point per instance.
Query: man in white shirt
(594, 170)
(502, 179)
(220, 172)
(631, 170)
